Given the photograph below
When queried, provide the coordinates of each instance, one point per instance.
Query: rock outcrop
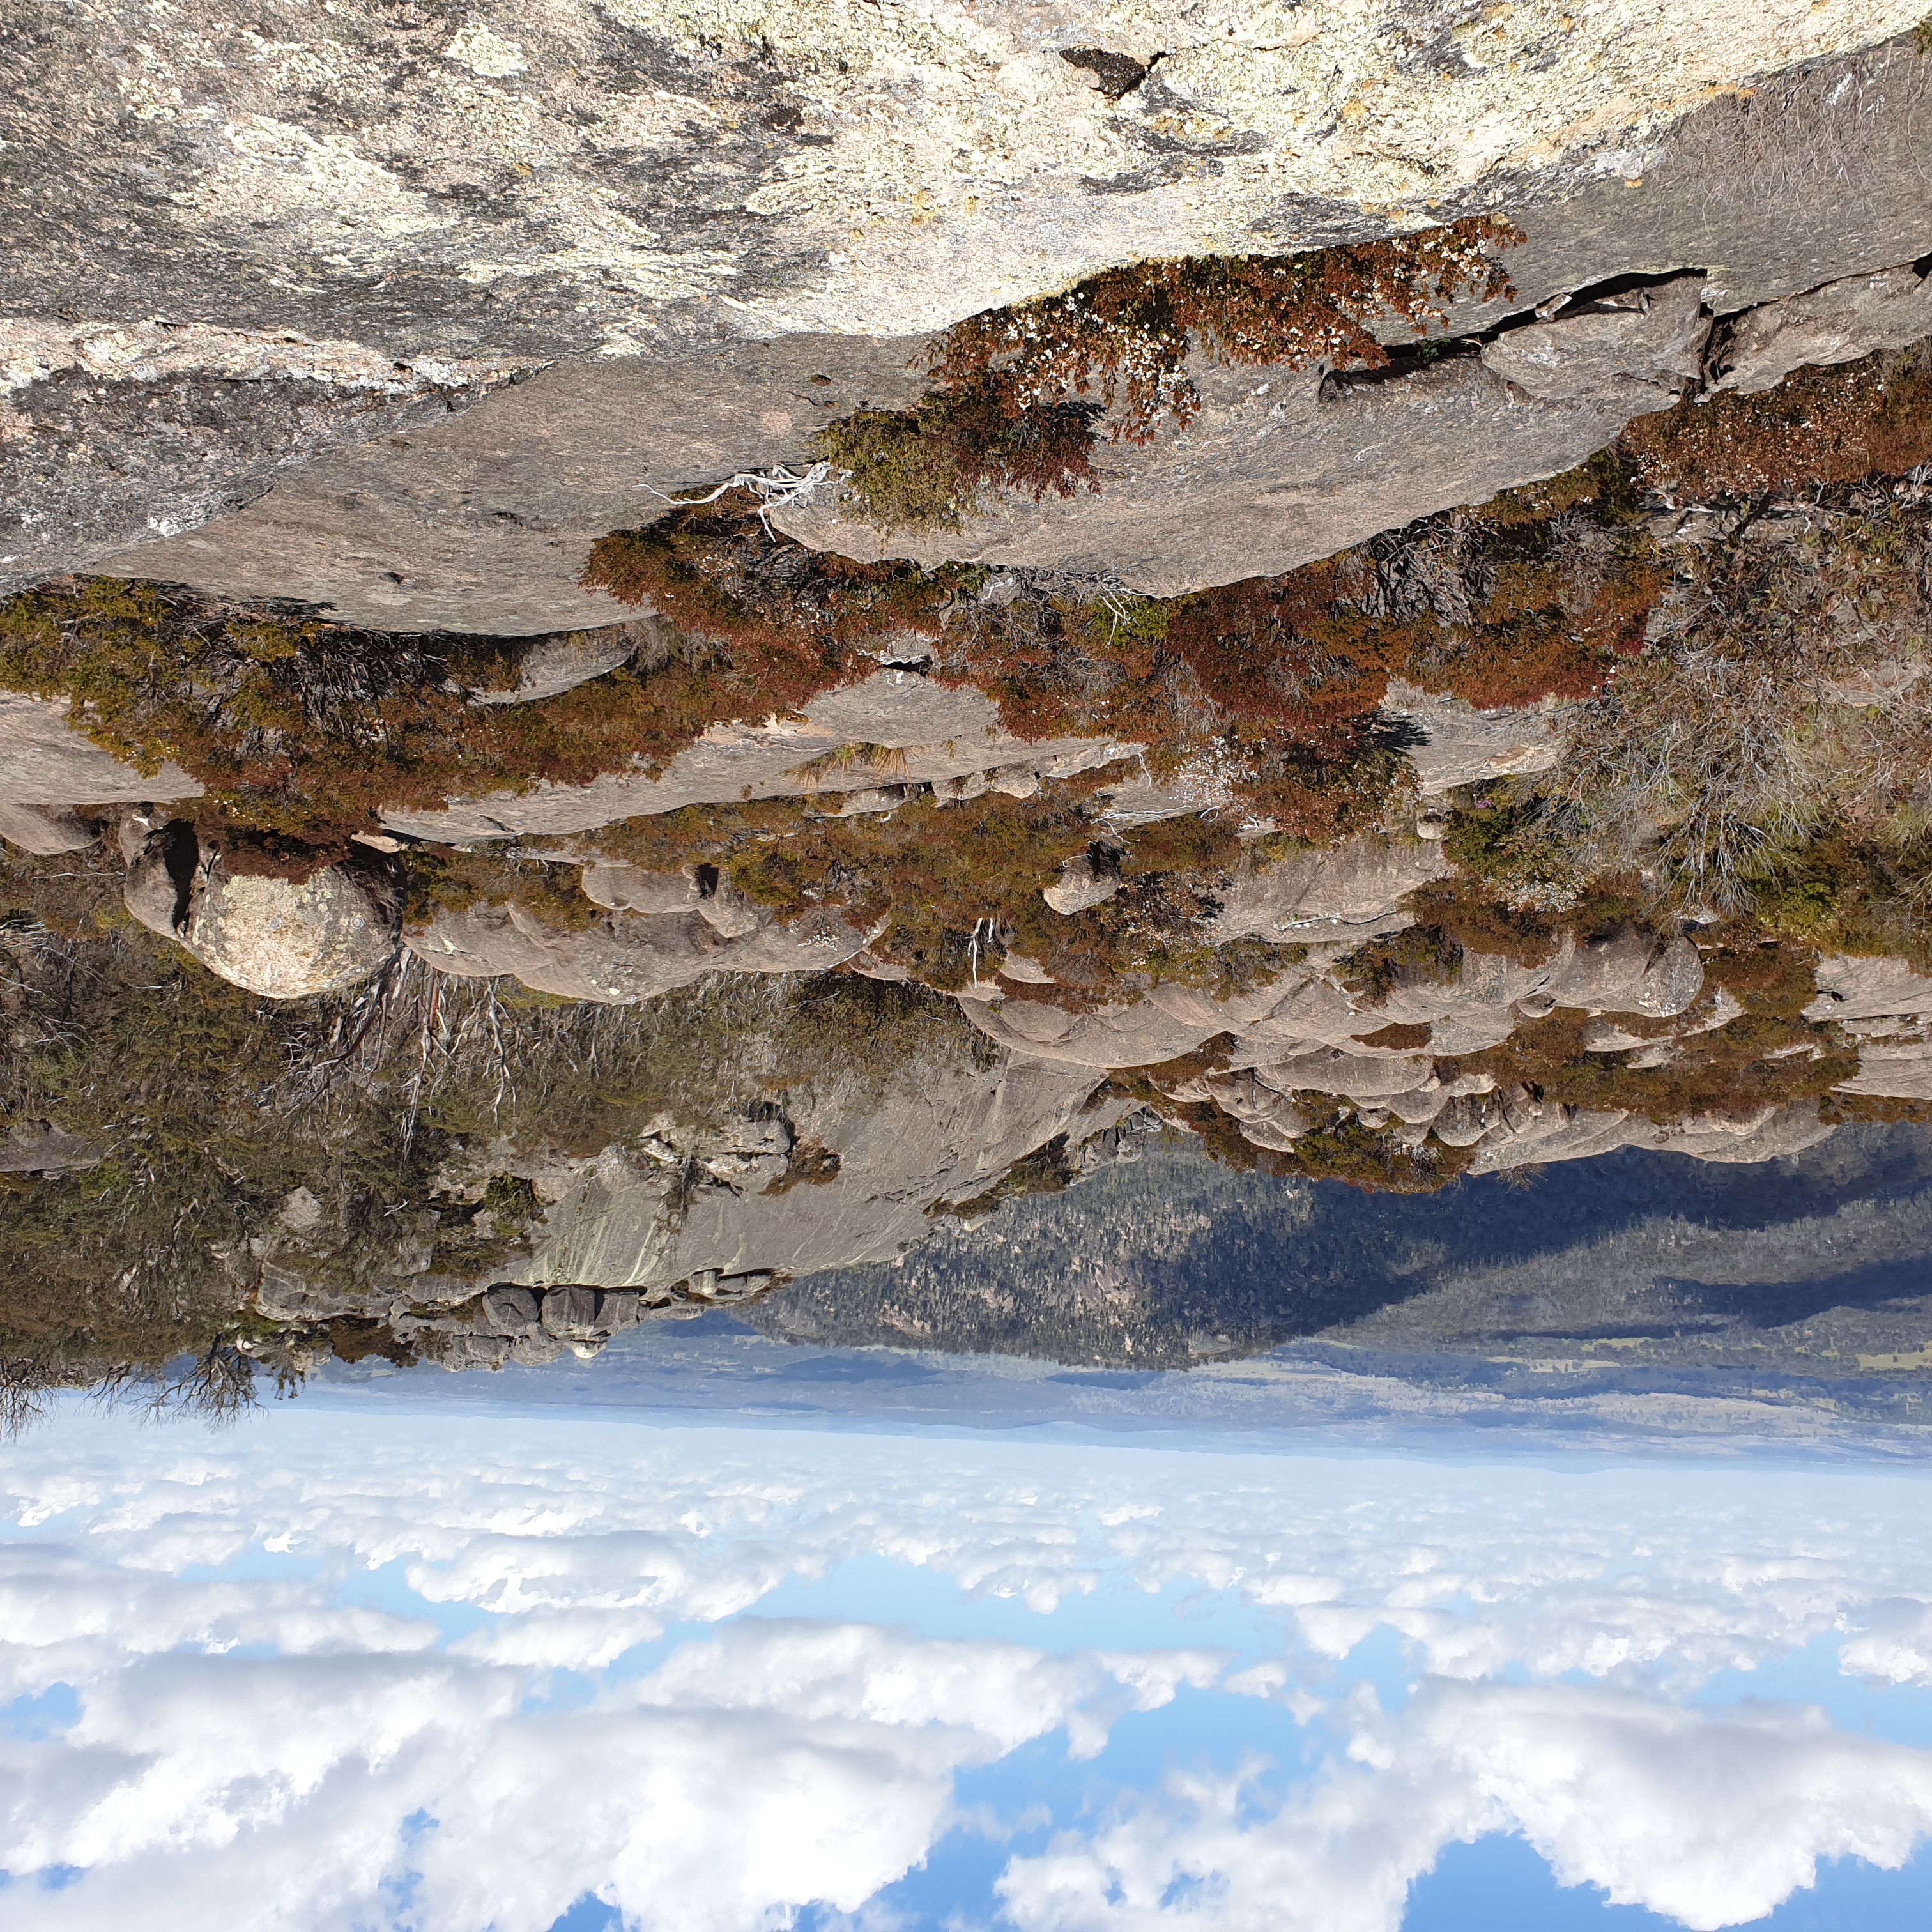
(928, 737)
(319, 252)
(1462, 745)
(47, 830)
(1638, 350)
(679, 1217)
(46, 762)
(287, 939)
(1351, 890)
(1839, 322)
(627, 957)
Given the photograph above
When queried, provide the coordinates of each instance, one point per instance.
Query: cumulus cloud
(781, 1763)
(1711, 1817)
(259, 1745)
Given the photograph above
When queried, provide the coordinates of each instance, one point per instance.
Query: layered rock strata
(250, 246)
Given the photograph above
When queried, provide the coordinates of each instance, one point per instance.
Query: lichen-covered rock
(286, 939)
(290, 939)
(354, 226)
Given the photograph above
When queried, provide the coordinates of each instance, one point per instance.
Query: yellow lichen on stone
(911, 161)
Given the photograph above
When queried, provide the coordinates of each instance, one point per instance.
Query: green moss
(443, 880)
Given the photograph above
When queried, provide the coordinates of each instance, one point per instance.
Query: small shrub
(1840, 424)
(1127, 334)
(1009, 407)
(934, 466)
(443, 880)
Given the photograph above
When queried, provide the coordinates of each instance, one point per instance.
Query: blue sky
(378, 1663)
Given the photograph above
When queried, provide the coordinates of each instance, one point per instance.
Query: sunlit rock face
(354, 234)
(288, 939)
(679, 1214)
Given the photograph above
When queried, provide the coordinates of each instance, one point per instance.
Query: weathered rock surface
(45, 761)
(1893, 1069)
(1304, 1011)
(1351, 890)
(41, 1148)
(1307, 1033)
(1641, 348)
(1852, 988)
(553, 665)
(484, 525)
(1462, 745)
(285, 939)
(313, 204)
(1280, 468)
(46, 830)
(679, 1217)
(939, 738)
(1838, 323)
(1081, 884)
(624, 957)
(120, 432)
(1277, 470)
(1544, 1135)
(1627, 972)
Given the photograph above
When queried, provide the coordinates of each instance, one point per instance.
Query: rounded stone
(290, 939)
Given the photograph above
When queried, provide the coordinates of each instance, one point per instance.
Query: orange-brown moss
(954, 887)
(1125, 334)
(1872, 417)
(302, 732)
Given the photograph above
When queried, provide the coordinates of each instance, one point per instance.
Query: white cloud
(273, 1793)
(1711, 1817)
(253, 1743)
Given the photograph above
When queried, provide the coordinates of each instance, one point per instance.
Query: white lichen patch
(482, 52)
(281, 171)
(594, 239)
(33, 349)
(964, 153)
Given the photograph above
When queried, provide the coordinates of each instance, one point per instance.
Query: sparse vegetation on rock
(1019, 393)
